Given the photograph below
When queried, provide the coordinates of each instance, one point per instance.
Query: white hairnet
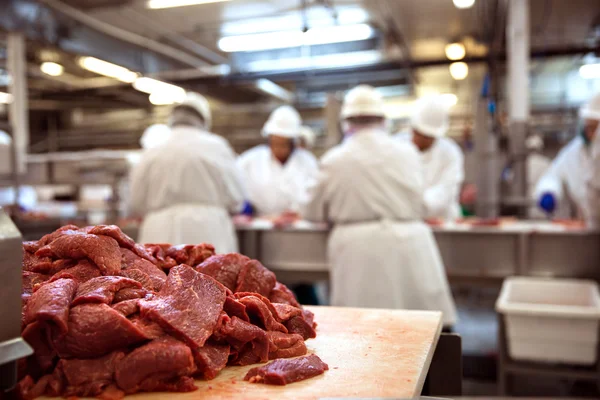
(284, 121)
(363, 101)
(308, 135)
(154, 136)
(430, 116)
(591, 110)
(199, 103)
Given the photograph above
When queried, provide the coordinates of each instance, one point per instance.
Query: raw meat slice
(261, 315)
(102, 289)
(125, 241)
(285, 345)
(225, 268)
(282, 294)
(49, 238)
(96, 330)
(101, 250)
(127, 307)
(181, 384)
(210, 359)
(299, 325)
(284, 312)
(234, 308)
(112, 392)
(285, 371)
(130, 294)
(254, 277)
(309, 317)
(161, 360)
(35, 335)
(129, 260)
(82, 272)
(31, 246)
(190, 254)
(139, 276)
(188, 306)
(30, 281)
(33, 263)
(158, 251)
(249, 343)
(150, 329)
(51, 302)
(89, 377)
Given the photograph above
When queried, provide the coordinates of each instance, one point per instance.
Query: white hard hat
(534, 142)
(198, 103)
(430, 116)
(591, 110)
(154, 136)
(308, 135)
(284, 121)
(363, 101)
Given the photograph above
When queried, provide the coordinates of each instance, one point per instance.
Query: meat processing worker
(442, 158)
(187, 187)
(537, 165)
(277, 174)
(307, 138)
(562, 190)
(592, 185)
(370, 187)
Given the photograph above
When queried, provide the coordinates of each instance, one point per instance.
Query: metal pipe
(124, 35)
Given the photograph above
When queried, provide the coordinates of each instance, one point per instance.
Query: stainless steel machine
(12, 346)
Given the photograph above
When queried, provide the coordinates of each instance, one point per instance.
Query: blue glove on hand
(548, 203)
(247, 209)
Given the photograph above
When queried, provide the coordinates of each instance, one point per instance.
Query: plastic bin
(551, 320)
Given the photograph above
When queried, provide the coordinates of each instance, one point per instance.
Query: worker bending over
(187, 187)
(442, 158)
(370, 187)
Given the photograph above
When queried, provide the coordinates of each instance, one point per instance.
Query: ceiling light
(105, 68)
(455, 51)
(165, 98)
(152, 86)
(449, 99)
(6, 98)
(157, 4)
(52, 68)
(590, 71)
(286, 39)
(459, 70)
(463, 3)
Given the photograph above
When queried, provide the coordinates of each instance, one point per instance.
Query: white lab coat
(566, 179)
(187, 189)
(537, 165)
(381, 255)
(444, 173)
(272, 187)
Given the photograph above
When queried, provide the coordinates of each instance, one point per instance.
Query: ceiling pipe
(124, 35)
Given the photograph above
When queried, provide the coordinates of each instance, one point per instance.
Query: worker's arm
(234, 189)
(316, 205)
(549, 190)
(440, 197)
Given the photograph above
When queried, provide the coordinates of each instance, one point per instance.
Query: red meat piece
(112, 392)
(30, 281)
(31, 246)
(103, 289)
(284, 312)
(49, 238)
(285, 371)
(282, 294)
(82, 272)
(150, 329)
(35, 335)
(51, 302)
(190, 254)
(96, 330)
(261, 315)
(101, 250)
(33, 263)
(188, 306)
(224, 267)
(130, 294)
(89, 377)
(249, 343)
(211, 359)
(285, 345)
(234, 308)
(309, 317)
(129, 260)
(254, 277)
(125, 241)
(162, 360)
(127, 307)
(139, 276)
(158, 251)
(302, 327)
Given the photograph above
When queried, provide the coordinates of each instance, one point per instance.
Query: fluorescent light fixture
(449, 99)
(455, 51)
(105, 68)
(152, 86)
(6, 98)
(285, 39)
(459, 70)
(52, 68)
(165, 98)
(158, 4)
(463, 3)
(590, 71)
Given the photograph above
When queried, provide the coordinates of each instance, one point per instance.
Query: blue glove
(548, 203)
(247, 209)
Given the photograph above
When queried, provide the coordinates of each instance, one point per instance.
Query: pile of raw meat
(108, 317)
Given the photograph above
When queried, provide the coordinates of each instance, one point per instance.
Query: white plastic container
(551, 320)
